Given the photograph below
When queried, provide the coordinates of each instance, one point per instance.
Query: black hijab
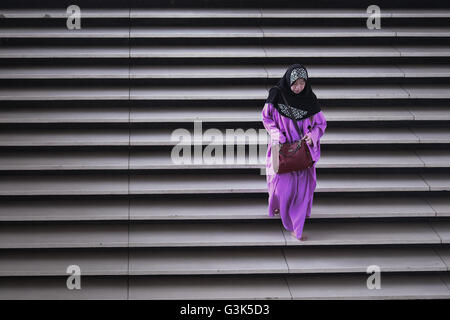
(301, 105)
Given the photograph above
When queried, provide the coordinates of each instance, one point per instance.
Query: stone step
(63, 32)
(57, 13)
(55, 288)
(238, 114)
(285, 260)
(86, 52)
(440, 206)
(207, 183)
(339, 135)
(218, 32)
(251, 183)
(399, 286)
(220, 234)
(64, 93)
(221, 71)
(65, 137)
(329, 159)
(75, 184)
(231, 287)
(167, 261)
(436, 181)
(229, 51)
(433, 159)
(297, 287)
(348, 259)
(163, 137)
(64, 235)
(244, 13)
(280, 51)
(442, 229)
(252, 113)
(434, 113)
(172, 234)
(65, 160)
(55, 209)
(65, 114)
(141, 159)
(92, 262)
(247, 92)
(217, 208)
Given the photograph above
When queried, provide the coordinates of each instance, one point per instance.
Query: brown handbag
(293, 156)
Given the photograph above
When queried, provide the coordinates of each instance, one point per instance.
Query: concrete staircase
(87, 178)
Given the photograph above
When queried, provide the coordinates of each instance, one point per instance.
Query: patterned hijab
(301, 105)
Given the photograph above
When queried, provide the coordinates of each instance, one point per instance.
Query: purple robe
(292, 192)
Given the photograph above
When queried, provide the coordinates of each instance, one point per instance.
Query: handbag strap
(289, 110)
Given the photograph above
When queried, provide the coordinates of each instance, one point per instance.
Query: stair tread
(159, 234)
(426, 91)
(367, 233)
(64, 236)
(65, 136)
(257, 92)
(64, 32)
(353, 286)
(272, 260)
(78, 184)
(31, 52)
(222, 260)
(444, 253)
(85, 184)
(437, 181)
(221, 71)
(246, 113)
(47, 13)
(138, 159)
(343, 135)
(440, 205)
(430, 113)
(190, 114)
(55, 288)
(215, 234)
(443, 230)
(218, 52)
(64, 93)
(162, 137)
(62, 114)
(398, 286)
(54, 263)
(217, 208)
(141, 159)
(250, 183)
(64, 160)
(345, 259)
(56, 209)
(219, 32)
(225, 13)
(434, 158)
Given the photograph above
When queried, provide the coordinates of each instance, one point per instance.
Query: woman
(291, 193)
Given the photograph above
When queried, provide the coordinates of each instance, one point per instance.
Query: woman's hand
(308, 138)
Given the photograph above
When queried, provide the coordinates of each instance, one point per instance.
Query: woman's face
(298, 85)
